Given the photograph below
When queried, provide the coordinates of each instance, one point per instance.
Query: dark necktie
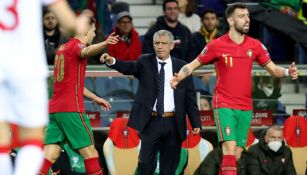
(160, 98)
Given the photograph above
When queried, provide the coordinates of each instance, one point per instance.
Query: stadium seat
(90, 83)
(100, 86)
(295, 133)
(198, 148)
(90, 106)
(121, 149)
(199, 84)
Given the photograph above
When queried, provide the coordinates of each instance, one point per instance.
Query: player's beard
(241, 29)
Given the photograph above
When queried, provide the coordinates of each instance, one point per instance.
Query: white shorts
(23, 99)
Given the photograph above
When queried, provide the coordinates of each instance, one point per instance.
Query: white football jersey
(21, 37)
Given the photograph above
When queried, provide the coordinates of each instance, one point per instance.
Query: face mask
(274, 145)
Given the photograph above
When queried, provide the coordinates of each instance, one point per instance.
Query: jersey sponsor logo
(249, 53)
(204, 51)
(8, 14)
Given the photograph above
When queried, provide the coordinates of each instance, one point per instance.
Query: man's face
(274, 135)
(162, 46)
(204, 104)
(210, 21)
(240, 21)
(124, 25)
(171, 11)
(50, 22)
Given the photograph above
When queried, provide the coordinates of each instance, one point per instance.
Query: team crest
(227, 130)
(249, 53)
(204, 51)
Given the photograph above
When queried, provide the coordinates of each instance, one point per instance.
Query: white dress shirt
(169, 103)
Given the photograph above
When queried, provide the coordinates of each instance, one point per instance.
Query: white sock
(6, 164)
(29, 160)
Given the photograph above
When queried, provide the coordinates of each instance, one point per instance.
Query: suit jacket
(145, 69)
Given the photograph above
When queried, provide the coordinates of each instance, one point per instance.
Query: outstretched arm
(65, 15)
(281, 72)
(105, 106)
(94, 49)
(184, 72)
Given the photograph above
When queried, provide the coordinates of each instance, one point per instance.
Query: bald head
(274, 132)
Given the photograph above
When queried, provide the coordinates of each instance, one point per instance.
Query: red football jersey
(69, 74)
(233, 65)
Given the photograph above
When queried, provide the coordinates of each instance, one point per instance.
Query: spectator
(204, 104)
(169, 21)
(52, 35)
(270, 155)
(207, 32)
(187, 15)
(266, 91)
(211, 164)
(129, 47)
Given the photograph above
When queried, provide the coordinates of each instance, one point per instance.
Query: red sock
(92, 166)
(45, 168)
(5, 149)
(229, 166)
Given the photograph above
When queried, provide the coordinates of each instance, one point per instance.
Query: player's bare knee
(52, 152)
(88, 152)
(229, 147)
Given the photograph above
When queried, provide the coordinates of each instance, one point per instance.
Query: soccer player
(23, 73)
(66, 107)
(233, 55)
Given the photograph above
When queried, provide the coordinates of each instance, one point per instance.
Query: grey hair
(164, 33)
(273, 127)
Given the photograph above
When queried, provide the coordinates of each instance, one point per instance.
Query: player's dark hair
(167, 1)
(230, 9)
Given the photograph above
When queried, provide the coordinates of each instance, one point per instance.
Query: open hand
(112, 39)
(105, 106)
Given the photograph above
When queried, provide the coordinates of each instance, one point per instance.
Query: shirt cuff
(114, 61)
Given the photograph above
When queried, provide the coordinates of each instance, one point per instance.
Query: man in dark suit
(159, 112)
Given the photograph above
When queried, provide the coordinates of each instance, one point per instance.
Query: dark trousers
(159, 135)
